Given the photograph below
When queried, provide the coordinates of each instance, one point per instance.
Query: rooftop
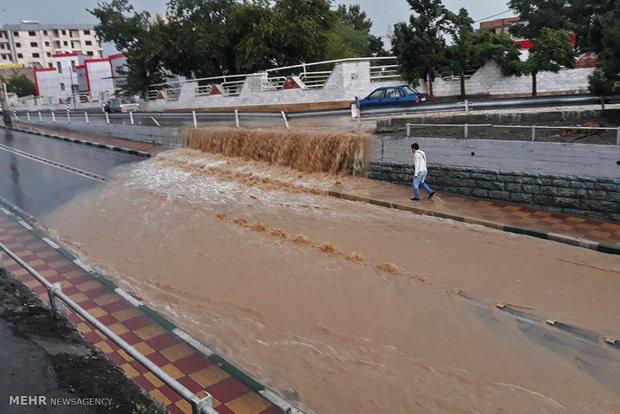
(34, 25)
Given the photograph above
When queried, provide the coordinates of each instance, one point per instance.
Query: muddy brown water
(345, 307)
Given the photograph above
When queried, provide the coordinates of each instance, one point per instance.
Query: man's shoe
(414, 199)
(431, 195)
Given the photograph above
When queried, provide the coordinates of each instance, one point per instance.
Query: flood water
(345, 307)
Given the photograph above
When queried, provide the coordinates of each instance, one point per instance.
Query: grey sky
(384, 13)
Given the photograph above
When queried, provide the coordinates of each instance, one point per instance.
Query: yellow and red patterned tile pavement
(139, 326)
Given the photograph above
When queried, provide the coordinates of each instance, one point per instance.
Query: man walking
(419, 163)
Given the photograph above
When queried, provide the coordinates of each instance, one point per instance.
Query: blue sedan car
(393, 95)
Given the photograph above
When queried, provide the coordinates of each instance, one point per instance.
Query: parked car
(393, 95)
(120, 105)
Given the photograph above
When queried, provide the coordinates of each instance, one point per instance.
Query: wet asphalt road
(38, 188)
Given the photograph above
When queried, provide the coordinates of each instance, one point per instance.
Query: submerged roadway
(39, 174)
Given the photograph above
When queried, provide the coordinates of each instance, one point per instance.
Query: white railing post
(53, 117)
(131, 117)
(68, 116)
(28, 115)
(40, 117)
(237, 118)
(58, 307)
(466, 106)
(408, 130)
(465, 130)
(1, 259)
(285, 119)
(618, 136)
(194, 119)
(155, 120)
(533, 133)
(107, 118)
(86, 117)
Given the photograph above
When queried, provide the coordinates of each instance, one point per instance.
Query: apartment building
(498, 26)
(33, 44)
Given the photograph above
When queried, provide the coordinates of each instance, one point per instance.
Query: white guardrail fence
(58, 300)
(532, 128)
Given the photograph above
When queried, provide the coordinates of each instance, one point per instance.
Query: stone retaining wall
(597, 198)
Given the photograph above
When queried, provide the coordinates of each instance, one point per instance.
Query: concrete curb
(83, 142)
(588, 244)
(30, 225)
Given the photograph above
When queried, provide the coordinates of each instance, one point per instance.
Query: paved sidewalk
(518, 219)
(150, 334)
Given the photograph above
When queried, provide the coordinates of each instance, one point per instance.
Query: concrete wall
(596, 198)
(169, 137)
(488, 80)
(99, 75)
(575, 178)
(347, 80)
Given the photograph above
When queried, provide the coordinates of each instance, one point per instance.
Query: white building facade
(74, 73)
(33, 44)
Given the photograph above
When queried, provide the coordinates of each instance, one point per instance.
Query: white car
(120, 105)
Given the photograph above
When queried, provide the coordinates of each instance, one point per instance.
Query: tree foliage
(420, 44)
(19, 84)
(203, 38)
(538, 14)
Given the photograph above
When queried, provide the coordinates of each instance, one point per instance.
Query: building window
(18, 44)
(86, 32)
(64, 32)
(3, 57)
(49, 54)
(19, 55)
(44, 32)
(59, 66)
(73, 65)
(51, 65)
(89, 53)
(34, 44)
(16, 34)
(32, 34)
(89, 43)
(62, 86)
(2, 46)
(35, 55)
(47, 43)
(65, 43)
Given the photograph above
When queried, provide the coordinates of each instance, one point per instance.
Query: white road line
(55, 164)
(135, 302)
(25, 225)
(51, 243)
(193, 342)
(83, 265)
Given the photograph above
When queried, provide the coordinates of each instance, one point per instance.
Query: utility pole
(6, 115)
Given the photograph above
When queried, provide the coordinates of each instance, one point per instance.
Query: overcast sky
(384, 13)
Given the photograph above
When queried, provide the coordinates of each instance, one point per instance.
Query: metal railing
(58, 300)
(532, 128)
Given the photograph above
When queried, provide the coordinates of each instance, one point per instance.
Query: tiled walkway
(494, 213)
(135, 325)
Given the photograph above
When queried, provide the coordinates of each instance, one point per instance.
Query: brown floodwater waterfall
(344, 307)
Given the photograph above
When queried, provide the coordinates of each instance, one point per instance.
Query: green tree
(589, 18)
(538, 14)
(353, 27)
(19, 84)
(420, 45)
(552, 50)
(135, 34)
(460, 55)
(605, 81)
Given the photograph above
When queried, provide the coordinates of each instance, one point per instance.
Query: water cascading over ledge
(307, 151)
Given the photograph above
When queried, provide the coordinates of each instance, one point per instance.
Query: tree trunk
(602, 98)
(533, 83)
(462, 85)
